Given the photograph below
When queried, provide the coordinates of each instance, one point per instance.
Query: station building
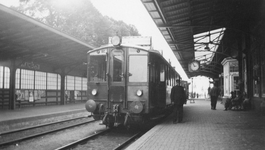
(39, 65)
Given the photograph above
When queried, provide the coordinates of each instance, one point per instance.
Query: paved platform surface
(30, 116)
(206, 129)
(26, 112)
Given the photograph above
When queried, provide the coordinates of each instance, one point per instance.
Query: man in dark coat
(178, 96)
(214, 93)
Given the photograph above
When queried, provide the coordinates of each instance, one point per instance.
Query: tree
(82, 20)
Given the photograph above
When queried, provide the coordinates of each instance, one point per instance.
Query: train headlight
(116, 41)
(91, 105)
(94, 92)
(139, 93)
(136, 107)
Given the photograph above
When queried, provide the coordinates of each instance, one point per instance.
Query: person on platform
(209, 90)
(178, 96)
(214, 93)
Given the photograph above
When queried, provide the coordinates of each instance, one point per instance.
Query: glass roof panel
(206, 44)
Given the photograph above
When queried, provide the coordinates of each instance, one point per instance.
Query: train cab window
(118, 62)
(97, 66)
(138, 73)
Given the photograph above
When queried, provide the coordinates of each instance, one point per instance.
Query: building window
(4, 77)
(40, 80)
(18, 79)
(27, 79)
(78, 83)
(59, 82)
(70, 83)
(84, 84)
(7, 78)
(52, 81)
(75, 83)
(1, 77)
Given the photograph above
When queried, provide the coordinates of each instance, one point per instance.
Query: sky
(9, 2)
(132, 12)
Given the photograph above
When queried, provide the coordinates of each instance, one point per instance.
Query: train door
(117, 78)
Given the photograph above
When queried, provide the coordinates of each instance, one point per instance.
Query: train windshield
(98, 66)
(137, 66)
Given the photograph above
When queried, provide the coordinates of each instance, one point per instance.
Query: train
(127, 83)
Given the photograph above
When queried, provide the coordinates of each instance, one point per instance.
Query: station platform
(206, 129)
(28, 116)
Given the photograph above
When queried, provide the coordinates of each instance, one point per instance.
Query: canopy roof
(204, 30)
(22, 37)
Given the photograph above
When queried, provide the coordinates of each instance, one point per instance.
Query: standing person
(214, 93)
(178, 96)
(209, 90)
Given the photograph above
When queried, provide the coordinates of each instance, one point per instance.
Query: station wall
(40, 88)
(255, 51)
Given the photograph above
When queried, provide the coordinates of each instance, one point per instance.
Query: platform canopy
(22, 37)
(203, 30)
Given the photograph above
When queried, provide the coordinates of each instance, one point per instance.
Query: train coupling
(104, 118)
(116, 111)
(126, 118)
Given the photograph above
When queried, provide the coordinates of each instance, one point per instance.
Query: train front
(117, 84)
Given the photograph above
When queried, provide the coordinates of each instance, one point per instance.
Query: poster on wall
(26, 94)
(77, 93)
(29, 95)
(20, 95)
(31, 98)
(67, 95)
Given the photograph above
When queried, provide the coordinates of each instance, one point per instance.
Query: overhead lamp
(116, 40)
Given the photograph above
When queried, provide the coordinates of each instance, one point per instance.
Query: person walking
(178, 96)
(214, 93)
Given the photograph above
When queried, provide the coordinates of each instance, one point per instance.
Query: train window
(137, 73)
(117, 65)
(152, 72)
(162, 73)
(256, 73)
(262, 74)
(97, 66)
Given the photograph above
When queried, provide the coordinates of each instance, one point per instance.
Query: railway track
(100, 136)
(111, 138)
(19, 135)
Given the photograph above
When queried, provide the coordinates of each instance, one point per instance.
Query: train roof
(156, 52)
(147, 49)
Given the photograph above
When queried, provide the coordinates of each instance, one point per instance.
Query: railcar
(128, 84)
